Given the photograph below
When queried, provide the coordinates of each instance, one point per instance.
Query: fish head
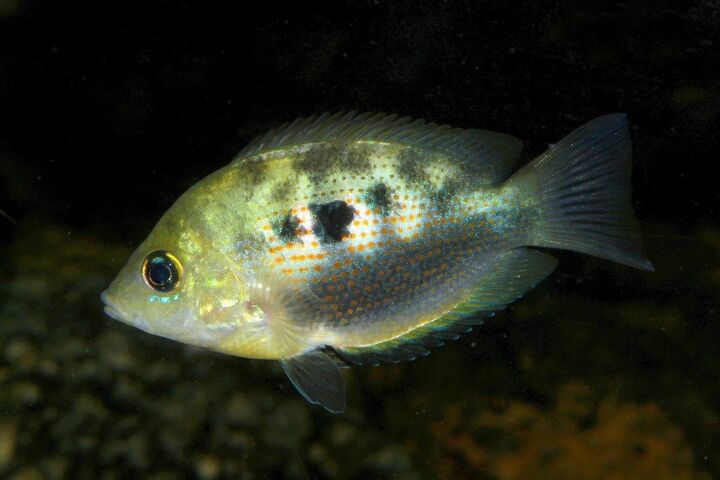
(177, 285)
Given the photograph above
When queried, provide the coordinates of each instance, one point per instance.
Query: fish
(350, 239)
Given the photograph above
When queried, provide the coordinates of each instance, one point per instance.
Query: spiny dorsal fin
(491, 155)
(512, 275)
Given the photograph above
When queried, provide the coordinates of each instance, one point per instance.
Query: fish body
(368, 238)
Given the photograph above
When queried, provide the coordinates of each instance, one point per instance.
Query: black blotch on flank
(378, 198)
(330, 220)
(443, 197)
(286, 227)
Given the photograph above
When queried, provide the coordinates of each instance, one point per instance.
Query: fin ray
(316, 376)
(582, 186)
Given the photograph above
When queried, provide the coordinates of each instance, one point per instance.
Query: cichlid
(348, 239)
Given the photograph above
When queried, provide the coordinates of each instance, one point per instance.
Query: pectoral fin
(318, 379)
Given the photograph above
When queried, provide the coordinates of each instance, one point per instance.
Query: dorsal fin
(491, 155)
(512, 275)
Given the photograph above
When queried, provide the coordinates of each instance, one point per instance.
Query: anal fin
(509, 277)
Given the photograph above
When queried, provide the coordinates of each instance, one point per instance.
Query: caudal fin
(582, 191)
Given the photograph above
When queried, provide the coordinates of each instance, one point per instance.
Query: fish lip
(116, 313)
(112, 313)
(111, 309)
(208, 339)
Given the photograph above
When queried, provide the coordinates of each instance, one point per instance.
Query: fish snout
(110, 308)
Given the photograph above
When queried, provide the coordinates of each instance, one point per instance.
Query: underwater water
(107, 116)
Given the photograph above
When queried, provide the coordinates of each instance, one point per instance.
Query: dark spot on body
(357, 158)
(336, 157)
(442, 197)
(316, 160)
(330, 220)
(378, 198)
(410, 162)
(284, 191)
(254, 172)
(286, 227)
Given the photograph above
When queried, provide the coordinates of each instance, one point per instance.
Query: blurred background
(109, 111)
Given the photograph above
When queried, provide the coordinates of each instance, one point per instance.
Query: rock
(21, 354)
(127, 391)
(70, 349)
(84, 444)
(27, 473)
(115, 351)
(207, 467)
(8, 440)
(133, 451)
(239, 440)
(110, 475)
(164, 475)
(162, 371)
(172, 441)
(319, 455)
(342, 434)
(391, 459)
(54, 468)
(23, 394)
(288, 425)
(35, 288)
(31, 325)
(243, 411)
(137, 451)
(90, 370)
(125, 426)
(49, 415)
(49, 368)
(86, 415)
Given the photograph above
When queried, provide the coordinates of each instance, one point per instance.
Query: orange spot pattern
(385, 264)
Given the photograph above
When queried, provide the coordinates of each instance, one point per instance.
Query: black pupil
(160, 274)
(161, 271)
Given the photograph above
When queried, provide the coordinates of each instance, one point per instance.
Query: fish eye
(161, 271)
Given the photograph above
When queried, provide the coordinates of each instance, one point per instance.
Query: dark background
(115, 109)
(109, 111)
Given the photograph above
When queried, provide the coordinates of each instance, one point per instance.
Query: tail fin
(582, 190)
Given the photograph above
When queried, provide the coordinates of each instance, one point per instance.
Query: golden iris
(162, 271)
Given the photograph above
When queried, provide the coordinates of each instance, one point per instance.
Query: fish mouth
(111, 309)
(205, 337)
(116, 313)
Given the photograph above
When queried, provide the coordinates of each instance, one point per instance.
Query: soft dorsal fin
(491, 155)
(317, 377)
(510, 277)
